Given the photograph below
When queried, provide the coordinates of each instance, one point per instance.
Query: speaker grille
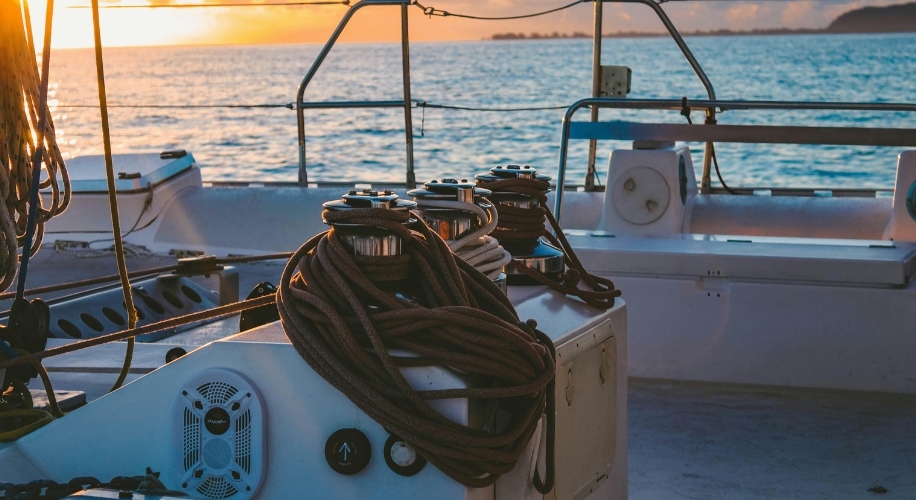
(217, 393)
(191, 439)
(216, 487)
(220, 458)
(217, 453)
(243, 441)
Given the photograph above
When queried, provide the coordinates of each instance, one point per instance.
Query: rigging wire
(195, 5)
(432, 11)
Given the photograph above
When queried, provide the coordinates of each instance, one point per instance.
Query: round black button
(348, 451)
(217, 421)
(403, 458)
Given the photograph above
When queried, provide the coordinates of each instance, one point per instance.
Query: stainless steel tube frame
(705, 105)
(596, 92)
(405, 104)
(710, 91)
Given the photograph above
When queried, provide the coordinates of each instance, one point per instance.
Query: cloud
(795, 11)
(744, 12)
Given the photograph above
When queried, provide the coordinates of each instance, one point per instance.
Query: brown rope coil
(19, 122)
(517, 223)
(344, 322)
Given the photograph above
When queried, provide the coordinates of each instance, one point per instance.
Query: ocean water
(259, 144)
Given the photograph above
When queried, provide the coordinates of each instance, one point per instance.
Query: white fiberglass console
(246, 417)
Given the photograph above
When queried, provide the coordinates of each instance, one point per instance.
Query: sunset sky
(311, 24)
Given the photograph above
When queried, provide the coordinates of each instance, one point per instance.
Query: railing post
(408, 121)
(300, 93)
(596, 91)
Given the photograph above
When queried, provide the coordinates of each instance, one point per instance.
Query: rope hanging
(343, 324)
(19, 126)
(518, 222)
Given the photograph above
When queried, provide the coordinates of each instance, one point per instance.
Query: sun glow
(72, 24)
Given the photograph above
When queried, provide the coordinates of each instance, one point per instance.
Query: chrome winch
(521, 224)
(363, 240)
(458, 211)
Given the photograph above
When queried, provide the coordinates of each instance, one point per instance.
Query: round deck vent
(641, 195)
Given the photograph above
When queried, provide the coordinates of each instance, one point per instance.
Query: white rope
(478, 248)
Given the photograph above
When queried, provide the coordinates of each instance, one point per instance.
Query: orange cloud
(795, 11)
(742, 12)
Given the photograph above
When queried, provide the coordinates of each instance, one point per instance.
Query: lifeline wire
(292, 105)
(432, 11)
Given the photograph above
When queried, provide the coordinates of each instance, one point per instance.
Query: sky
(313, 24)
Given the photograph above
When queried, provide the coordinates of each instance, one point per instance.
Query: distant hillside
(890, 19)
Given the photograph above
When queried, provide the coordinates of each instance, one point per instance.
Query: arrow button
(348, 451)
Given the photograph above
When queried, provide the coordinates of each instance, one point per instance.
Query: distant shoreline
(868, 20)
(640, 34)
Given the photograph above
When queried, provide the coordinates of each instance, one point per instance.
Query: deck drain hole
(70, 329)
(153, 304)
(191, 294)
(113, 316)
(172, 299)
(91, 322)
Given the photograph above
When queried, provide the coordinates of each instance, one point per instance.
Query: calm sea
(359, 144)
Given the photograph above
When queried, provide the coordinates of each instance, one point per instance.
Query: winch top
(450, 190)
(511, 172)
(369, 198)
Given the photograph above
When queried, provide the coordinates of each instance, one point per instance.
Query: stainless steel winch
(365, 240)
(449, 220)
(532, 252)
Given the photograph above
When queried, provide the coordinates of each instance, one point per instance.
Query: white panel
(650, 192)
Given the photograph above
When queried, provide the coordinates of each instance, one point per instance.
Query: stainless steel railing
(301, 106)
(621, 130)
(596, 69)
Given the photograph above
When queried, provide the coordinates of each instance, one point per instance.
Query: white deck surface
(687, 440)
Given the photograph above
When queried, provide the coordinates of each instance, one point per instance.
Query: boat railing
(406, 103)
(301, 105)
(710, 133)
(597, 37)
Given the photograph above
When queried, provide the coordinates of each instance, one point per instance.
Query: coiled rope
(477, 248)
(518, 223)
(21, 97)
(343, 324)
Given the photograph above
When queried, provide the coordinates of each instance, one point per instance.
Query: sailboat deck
(687, 440)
